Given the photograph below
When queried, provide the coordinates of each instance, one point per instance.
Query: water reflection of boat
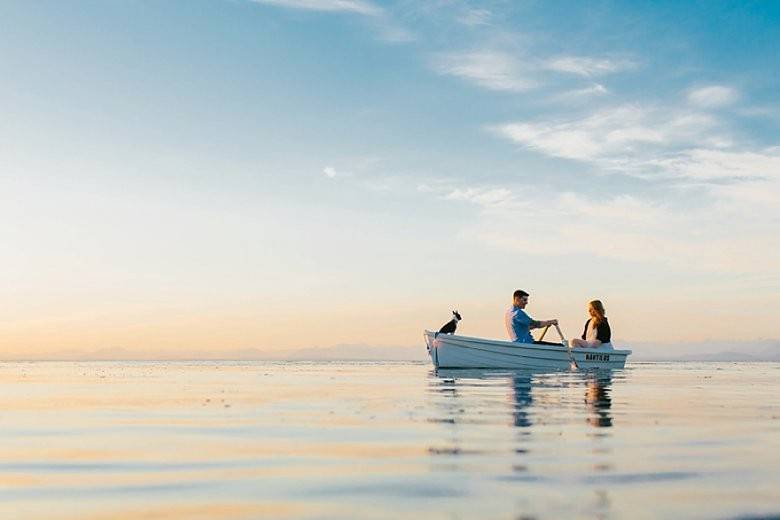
(454, 351)
(522, 426)
(520, 386)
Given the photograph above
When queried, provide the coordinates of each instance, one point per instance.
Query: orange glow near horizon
(200, 331)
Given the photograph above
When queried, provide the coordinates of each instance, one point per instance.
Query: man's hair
(519, 294)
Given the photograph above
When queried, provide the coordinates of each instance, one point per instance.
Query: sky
(198, 176)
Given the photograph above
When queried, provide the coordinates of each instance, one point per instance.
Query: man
(518, 323)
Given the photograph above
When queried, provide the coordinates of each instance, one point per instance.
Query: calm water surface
(221, 440)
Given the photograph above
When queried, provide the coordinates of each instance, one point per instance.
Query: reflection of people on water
(598, 400)
(448, 383)
(521, 392)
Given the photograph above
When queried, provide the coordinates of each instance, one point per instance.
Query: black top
(603, 332)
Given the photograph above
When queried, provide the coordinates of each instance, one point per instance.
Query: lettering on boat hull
(596, 357)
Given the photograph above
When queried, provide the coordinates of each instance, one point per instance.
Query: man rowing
(518, 323)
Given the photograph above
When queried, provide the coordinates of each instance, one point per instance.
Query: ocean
(332, 440)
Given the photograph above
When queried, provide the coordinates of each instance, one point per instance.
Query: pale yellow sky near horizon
(198, 330)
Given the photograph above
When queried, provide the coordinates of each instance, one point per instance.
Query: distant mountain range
(767, 350)
(335, 352)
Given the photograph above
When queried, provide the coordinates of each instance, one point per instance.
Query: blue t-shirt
(518, 325)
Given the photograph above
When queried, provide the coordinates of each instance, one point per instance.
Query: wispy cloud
(713, 96)
(330, 172)
(502, 70)
(474, 17)
(586, 66)
(493, 70)
(353, 6)
(381, 20)
(489, 197)
(632, 139)
(767, 111)
(709, 164)
(393, 33)
(608, 132)
(627, 228)
(596, 89)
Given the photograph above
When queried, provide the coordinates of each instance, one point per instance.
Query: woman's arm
(594, 343)
(604, 333)
(585, 330)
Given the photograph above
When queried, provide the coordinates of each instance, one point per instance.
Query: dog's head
(456, 315)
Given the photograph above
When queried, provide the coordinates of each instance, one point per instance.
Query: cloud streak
(595, 90)
(586, 66)
(352, 6)
(603, 134)
(627, 228)
(475, 17)
(708, 164)
(506, 71)
(713, 96)
(644, 142)
(486, 197)
(493, 70)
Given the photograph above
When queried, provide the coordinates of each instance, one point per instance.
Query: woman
(597, 331)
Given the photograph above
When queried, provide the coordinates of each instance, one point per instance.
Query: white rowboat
(453, 351)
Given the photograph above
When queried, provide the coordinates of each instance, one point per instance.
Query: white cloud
(391, 33)
(382, 22)
(606, 133)
(713, 96)
(585, 66)
(703, 238)
(623, 208)
(488, 197)
(499, 70)
(354, 6)
(489, 69)
(330, 172)
(473, 17)
(632, 139)
(709, 164)
(558, 141)
(719, 228)
(768, 111)
(597, 89)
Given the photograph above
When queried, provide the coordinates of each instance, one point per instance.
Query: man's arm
(536, 324)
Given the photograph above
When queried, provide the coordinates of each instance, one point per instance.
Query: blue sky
(282, 173)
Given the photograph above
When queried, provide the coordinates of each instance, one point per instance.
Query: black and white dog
(450, 326)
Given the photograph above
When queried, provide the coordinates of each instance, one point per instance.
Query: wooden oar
(566, 344)
(543, 333)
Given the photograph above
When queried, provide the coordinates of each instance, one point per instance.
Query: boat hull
(453, 351)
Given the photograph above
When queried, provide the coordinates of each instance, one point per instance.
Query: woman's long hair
(598, 307)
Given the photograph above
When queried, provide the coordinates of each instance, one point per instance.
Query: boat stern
(430, 344)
